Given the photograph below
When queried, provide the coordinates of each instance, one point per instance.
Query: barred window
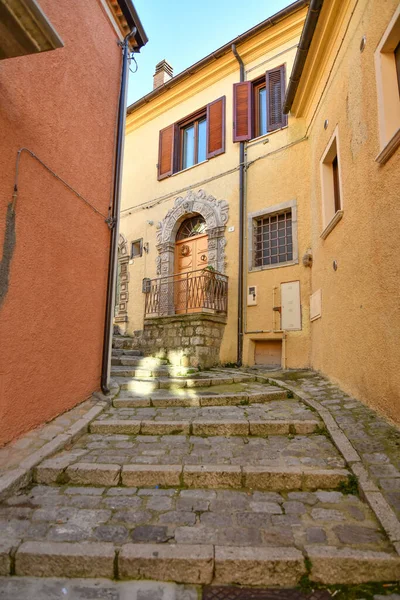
(273, 242)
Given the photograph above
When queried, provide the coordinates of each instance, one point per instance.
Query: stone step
(212, 476)
(208, 427)
(204, 564)
(145, 371)
(146, 362)
(150, 396)
(194, 536)
(124, 352)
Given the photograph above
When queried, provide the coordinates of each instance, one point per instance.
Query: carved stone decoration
(215, 214)
(122, 295)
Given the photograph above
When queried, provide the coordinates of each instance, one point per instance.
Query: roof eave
(270, 22)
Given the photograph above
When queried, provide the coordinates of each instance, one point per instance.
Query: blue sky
(183, 32)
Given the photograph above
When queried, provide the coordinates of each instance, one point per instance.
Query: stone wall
(186, 340)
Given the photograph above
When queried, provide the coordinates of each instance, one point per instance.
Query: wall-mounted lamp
(146, 247)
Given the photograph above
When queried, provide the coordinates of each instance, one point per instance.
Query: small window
(273, 241)
(387, 63)
(332, 205)
(137, 248)
(193, 137)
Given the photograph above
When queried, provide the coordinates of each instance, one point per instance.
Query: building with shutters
(259, 226)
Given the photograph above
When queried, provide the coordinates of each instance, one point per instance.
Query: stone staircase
(197, 477)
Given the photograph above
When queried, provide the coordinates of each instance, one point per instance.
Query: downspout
(241, 230)
(112, 265)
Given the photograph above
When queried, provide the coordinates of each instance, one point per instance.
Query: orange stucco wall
(62, 105)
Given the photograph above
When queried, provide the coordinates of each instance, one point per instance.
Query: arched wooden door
(191, 255)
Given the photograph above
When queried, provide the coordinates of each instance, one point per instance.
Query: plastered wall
(356, 341)
(219, 177)
(62, 105)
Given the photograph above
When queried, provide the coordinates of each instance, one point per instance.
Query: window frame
(140, 242)
(269, 212)
(388, 90)
(194, 118)
(331, 185)
(256, 85)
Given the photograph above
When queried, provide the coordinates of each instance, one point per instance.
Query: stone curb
(200, 426)
(16, 479)
(171, 562)
(199, 401)
(367, 487)
(331, 565)
(192, 476)
(258, 566)
(198, 564)
(57, 559)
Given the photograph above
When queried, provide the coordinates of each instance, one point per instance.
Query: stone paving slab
(275, 451)
(35, 588)
(190, 516)
(278, 410)
(376, 441)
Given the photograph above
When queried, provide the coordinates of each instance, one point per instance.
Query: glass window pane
(188, 147)
(262, 111)
(201, 142)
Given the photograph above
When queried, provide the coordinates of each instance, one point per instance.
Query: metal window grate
(273, 242)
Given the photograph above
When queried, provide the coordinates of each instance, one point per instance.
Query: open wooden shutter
(242, 111)
(166, 152)
(275, 82)
(216, 127)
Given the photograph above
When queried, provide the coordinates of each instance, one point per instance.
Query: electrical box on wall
(252, 295)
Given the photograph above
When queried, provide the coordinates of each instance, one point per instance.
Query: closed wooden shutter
(216, 127)
(166, 152)
(242, 111)
(275, 82)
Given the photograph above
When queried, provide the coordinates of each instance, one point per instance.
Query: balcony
(201, 291)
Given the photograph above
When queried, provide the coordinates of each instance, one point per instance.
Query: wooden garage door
(268, 353)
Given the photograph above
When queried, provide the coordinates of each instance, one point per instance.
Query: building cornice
(320, 55)
(191, 82)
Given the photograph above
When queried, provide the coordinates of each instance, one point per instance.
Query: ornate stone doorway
(194, 204)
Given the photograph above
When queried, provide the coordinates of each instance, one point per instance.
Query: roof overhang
(227, 48)
(127, 19)
(25, 29)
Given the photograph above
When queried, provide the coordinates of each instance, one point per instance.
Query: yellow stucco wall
(356, 341)
(272, 48)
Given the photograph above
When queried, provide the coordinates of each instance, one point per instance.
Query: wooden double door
(191, 255)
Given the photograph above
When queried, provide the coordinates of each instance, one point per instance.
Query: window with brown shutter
(216, 127)
(258, 105)
(193, 140)
(242, 111)
(166, 152)
(275, 85)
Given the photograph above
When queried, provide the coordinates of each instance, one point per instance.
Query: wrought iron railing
(203, 290)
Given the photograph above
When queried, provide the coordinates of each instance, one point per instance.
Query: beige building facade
(261, 238)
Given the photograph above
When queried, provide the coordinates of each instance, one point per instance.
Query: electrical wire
(107, 220)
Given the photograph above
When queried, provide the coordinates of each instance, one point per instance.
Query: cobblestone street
(226, 483)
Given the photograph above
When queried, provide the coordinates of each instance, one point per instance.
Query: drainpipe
(112, 265)
(241, 230)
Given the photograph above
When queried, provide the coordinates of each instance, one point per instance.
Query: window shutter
(166, 152)
(275, 83)
(242, 121)
(216, 127)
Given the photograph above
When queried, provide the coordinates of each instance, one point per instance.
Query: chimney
(164, 72)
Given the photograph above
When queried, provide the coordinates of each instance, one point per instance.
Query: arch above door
(215, 214)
